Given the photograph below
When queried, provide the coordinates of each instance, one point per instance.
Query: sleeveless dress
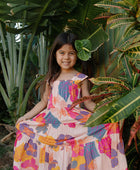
(56, 139)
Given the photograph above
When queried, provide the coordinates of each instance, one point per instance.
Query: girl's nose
(66, 56)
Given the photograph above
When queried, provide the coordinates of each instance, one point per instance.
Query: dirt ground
(6, 150)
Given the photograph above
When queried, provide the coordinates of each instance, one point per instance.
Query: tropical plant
(128, 55)
(122, 94)
(36, 18)
(11, 56)
(14, 67)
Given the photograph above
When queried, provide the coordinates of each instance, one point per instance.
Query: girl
(52, 136)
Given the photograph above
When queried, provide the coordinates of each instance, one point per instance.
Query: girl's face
(66, 57)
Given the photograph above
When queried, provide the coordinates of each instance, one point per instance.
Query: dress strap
(79, 76)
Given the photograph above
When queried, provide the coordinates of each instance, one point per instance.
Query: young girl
(52, 136)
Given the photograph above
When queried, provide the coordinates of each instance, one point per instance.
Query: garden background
(109, 33)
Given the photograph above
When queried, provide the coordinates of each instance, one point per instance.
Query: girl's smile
(66, 57)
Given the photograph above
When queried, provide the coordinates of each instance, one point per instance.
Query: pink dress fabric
(56, 139)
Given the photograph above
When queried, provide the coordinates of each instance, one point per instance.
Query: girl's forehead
(67, 47)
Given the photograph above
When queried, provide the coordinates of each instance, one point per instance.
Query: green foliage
(38, 19)
(108, 80)
(118, 110)
(133, 157)
(124, 92)
(11, 60)
(123, 63)
(128, 13)
(83, 48)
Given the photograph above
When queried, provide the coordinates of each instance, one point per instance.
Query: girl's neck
(67, 75)
(70, 71)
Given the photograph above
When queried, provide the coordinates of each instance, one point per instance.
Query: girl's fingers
(20, 120)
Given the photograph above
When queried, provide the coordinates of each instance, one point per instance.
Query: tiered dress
(56, 139)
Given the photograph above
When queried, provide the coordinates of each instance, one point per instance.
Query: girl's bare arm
(38, 107)
(89, 104)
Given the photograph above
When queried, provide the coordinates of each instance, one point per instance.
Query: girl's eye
(72, 53)
(61, 52)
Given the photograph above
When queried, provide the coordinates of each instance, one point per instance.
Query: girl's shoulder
(79, 76)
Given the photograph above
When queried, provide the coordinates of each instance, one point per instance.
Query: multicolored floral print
(63, 89)
(90, 152)
(112, 128)
(63, 139)
(114, 159)
(73, 90)
(81, 76)
(50, 102)
(30, 164)
(42, 128)
(97, 131)
(79, 114)
(57, 138)
(120, 147)
(50, 119)
(71, 125)
(78, 163)
(49, 140)
(59, 107)
(31, 148)
(15, 168)
(24, 128)
(105, 146)
(46, 157)
(40, 118)
(20, 154)
(18, 137)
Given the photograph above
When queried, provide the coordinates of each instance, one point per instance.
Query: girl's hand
(21, 119)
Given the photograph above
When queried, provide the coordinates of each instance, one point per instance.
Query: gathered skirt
(45, 143)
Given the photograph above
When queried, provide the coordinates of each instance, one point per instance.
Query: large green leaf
(119, 110)
(25, 100)
(119, 20)
(98, 116)
(81, 21)
(111, 4)
(125, 106)
(127, 69)
(118, 17)
(16, 10)
(100, 36)
(83, 48)
(133, 54)
(132, 3)
(86, 11)
(137, 65)
(107, 100)
(136, 77)
(132, 156)
(108, 80)
(129, 40)
(4, 95)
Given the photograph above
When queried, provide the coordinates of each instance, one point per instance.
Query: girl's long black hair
(53, 68)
